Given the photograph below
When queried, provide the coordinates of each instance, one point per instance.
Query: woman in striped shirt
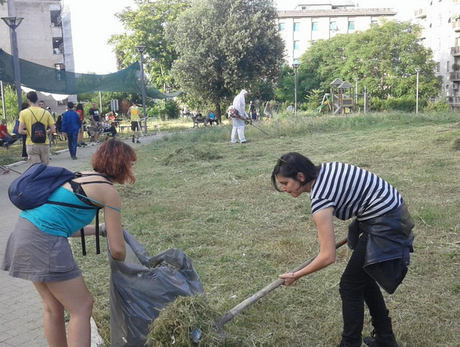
(380, 236)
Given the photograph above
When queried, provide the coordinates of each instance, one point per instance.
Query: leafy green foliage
(165, 109)
(224, 46)
(11, 104)
(383, 58)
(146, 26)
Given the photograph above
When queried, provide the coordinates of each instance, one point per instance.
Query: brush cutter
(261, 293)
(233, 113)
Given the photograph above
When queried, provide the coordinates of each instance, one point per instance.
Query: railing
(455, 51)
(420, 13)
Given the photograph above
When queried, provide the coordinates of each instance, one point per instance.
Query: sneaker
(138, 141)
(380, 340)
(74, 158)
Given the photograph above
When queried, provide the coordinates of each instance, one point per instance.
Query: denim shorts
(34, 255)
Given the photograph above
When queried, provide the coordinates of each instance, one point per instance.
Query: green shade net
(49, 80)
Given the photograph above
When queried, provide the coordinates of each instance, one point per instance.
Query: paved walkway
(21, 309)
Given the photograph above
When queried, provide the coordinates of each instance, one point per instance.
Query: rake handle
(264, 291)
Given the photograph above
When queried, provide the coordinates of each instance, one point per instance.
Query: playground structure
(343, 98)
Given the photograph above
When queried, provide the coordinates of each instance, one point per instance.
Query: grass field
(198, 192)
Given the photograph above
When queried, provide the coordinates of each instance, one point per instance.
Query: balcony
(453, 100)
(456, 25)
(422, 34)
(455, 51)
(455, 76)
(420, 13)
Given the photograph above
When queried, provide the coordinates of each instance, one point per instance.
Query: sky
(93, 22)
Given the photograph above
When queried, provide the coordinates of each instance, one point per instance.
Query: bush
(406, 104)
(437, 106)
(168, 109)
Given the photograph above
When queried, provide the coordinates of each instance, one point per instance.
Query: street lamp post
(13, 23)
(417, 70)
(356, 91)
(141, 50)
(295, 65)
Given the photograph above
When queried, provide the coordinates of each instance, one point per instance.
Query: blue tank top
(60, 220)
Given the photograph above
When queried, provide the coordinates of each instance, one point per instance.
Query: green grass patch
(214, 200)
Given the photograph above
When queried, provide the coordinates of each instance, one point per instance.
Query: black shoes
(137, 141)
(74, 158)
(380, 340)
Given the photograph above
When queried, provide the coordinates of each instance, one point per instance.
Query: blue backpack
(34, 187)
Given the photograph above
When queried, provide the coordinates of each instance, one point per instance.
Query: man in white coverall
(239, 104)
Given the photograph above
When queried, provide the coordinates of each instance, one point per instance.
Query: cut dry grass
(214, 200)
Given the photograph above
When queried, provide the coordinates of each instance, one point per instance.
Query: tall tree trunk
(218, 112)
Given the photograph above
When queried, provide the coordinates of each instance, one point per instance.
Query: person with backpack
(34, 122)
(38, 249)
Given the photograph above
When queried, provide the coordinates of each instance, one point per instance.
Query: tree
(224, 46)
(384, 59)
(11, 104)
(146, 26)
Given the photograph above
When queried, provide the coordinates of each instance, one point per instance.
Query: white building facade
(322, 19)
(440, 20)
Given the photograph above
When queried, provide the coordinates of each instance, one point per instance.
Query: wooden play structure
(342, 98)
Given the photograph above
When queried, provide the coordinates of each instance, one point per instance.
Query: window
(314, 26)
(58, 45)
(281, 26)
(296, 26)
(374, 22)
(55, 18)
(296, 44)
(448, 66)
(438, 67)
(333, 26)
(351, 26)
(304, 7)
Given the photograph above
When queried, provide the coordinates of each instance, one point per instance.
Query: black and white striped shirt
(352, 191)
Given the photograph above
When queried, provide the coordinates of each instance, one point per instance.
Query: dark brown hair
(290, 164)
(114, 159)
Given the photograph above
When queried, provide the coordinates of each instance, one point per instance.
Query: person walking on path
(133, 112)
(34, 122)
(239, 104)
(381, 237)
(71, 125)
(38, 249)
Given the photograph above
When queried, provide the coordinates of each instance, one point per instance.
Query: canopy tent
(55, 81)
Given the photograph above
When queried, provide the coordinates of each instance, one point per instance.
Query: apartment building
(440, 20)
(44, 36)
(313, 20)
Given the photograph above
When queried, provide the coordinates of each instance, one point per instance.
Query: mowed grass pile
(198, 192)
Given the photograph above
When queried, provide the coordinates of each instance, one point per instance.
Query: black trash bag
(142, 285)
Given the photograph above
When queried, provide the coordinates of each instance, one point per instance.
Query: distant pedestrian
(239, 104)
(133, 112)
(95, 122)
(71, 125)
(81, 114)
(33, 122)
(252, 111)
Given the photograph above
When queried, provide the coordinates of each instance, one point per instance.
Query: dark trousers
(357, 287)
(24, 151)
(72, 138)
